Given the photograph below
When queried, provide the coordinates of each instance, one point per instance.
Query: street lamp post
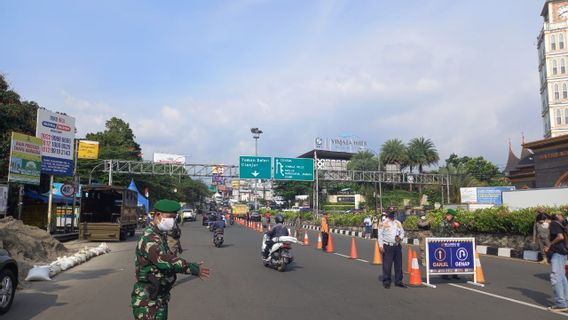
(256, 135)
(380, 184)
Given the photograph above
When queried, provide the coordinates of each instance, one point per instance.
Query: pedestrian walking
(375, 227)
(541, 234)
(367, 225)
(557, 252)
(324, 232)
(156, 266)
(391, 234)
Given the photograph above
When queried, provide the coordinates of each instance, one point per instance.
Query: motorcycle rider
(278, 231)
(217, 225)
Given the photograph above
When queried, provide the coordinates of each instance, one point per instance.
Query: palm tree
(394, 151)
(364, 161)
(422, 152)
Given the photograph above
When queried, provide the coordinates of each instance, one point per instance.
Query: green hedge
(499, 220)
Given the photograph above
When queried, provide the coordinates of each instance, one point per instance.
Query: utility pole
(256, 135)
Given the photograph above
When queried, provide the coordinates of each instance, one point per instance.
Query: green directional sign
(294, 169)
(255, 167)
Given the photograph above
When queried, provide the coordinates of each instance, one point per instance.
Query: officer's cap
(167, 206)
(452, 212)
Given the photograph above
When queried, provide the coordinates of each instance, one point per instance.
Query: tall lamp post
(256, 132)
(380, 184)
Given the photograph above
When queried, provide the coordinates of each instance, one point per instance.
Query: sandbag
(38, 273)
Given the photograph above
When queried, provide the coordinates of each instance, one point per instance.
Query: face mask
(545, 225)
(166, 224)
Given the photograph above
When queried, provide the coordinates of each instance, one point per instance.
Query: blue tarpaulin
(142, 201)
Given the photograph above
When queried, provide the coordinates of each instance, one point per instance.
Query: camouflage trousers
(144, 308)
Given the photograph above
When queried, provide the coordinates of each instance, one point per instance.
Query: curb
(528, 255)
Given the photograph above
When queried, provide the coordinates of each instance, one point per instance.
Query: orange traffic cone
(377, 257)
(319, 245)
(409, 260)
(259, 227)
(478, 269)
(306, 239)
(415, 277)
(269, 227)
(353, 249)
(329, 244)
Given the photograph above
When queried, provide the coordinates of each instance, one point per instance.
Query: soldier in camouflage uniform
(447, 229)
(156, 266)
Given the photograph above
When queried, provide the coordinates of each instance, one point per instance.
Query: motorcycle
(218, 237)
(231, 221)
(279, 256)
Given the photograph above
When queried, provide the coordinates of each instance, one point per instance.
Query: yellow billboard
(88, 149)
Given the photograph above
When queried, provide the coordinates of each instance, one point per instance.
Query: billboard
(25, 159)
(57, 131)
(484, 195)
(169, 158)
(88, 149)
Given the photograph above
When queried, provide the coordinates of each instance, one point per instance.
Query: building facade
(553, 63)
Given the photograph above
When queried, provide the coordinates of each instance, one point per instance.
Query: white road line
(363, 260)
(341, 255)
(507, 299)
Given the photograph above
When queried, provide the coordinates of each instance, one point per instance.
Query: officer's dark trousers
(392, 255)
(324, 239)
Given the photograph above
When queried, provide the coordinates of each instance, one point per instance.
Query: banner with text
(57, 131)
(25, 159)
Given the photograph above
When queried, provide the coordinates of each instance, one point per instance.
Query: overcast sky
(192, 77)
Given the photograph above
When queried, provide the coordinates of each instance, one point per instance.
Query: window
(558, 117)
(562, 66)
(566, 116)
(561, 41)
(554, 67)
(564, 91)
(552, 42)
(556, 92)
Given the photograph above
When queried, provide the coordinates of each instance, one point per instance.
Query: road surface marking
(507, 299)
(363, 260)
(341, 255)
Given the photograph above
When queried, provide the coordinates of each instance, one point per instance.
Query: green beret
(452, 212)
(167, 206)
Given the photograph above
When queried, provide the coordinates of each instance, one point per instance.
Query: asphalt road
(317, 286)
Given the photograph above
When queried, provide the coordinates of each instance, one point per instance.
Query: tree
(288, 190)
(479, 168)
(422, 152)
(363, 161)
(393, 151)
(116, 142)
(16, 115)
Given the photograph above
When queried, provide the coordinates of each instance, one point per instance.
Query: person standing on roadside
(367, 224)
(375, 226)
(391, 234)
(324, 232)
(156, 266)
(541, 233)
(557, 252)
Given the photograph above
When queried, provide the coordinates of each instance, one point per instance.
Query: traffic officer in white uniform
(391, 234)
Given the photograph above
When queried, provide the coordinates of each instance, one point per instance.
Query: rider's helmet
(213, 218)
(279, 219)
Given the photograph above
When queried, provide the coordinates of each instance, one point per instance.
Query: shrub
(410, 223)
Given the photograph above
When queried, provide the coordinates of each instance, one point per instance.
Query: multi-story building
(553, 61)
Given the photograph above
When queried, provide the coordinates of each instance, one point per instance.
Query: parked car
(8, 280)
(255, 216)
(187, 214)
